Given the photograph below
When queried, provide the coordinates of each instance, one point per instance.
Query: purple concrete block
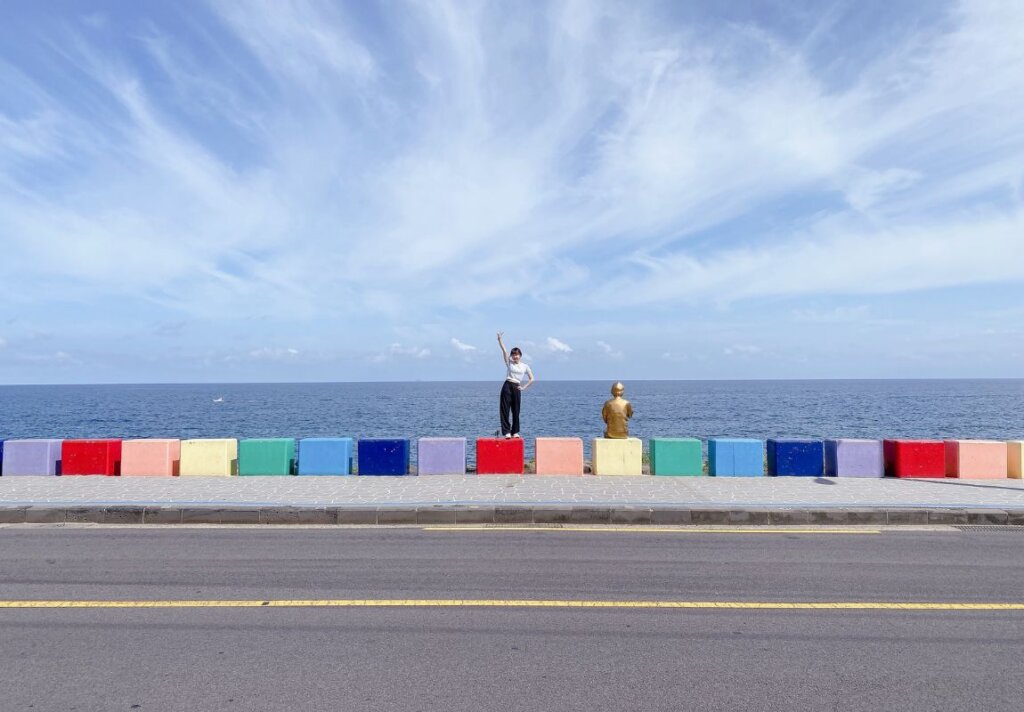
(31, 457)
(847, 457)
(441, 456)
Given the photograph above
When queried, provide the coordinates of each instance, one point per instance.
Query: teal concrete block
(676, 457)
(266, 456)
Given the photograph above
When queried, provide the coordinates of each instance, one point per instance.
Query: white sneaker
(507, 436)
(517, 435)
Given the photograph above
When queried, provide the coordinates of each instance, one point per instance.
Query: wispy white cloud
(742, 350)
(464, 348)
(837, 257)
(400, 351)
(299, 40)
(54, 358)
(695, 142)
(829, 316)
(268, 353)
(556, 346)
(869, 187)
(608, 350)
(297, 161)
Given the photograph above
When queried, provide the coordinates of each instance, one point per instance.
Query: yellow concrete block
(209, 457)
(1015, 459)
(617, 456)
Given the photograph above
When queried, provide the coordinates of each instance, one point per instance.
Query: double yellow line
(525, 603)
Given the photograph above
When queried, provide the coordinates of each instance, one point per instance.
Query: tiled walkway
(507, 490)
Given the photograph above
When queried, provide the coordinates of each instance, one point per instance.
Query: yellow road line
(644, 530)
(525, 603)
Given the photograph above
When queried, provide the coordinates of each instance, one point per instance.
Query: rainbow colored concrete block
(676, 457)
(326, 456)
(795, 458)
(441, 456)
(211, 457)
(735, 457)
(31, 458)
(90, 457)
(976, 459)
(384, 456)
(1015, 459)
(559, 456)
(617, 456)
(266, 456)
(150, 457)
(499, 456)
(914, 458)
(853, 457)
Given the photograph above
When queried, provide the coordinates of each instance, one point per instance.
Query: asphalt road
(507, 658)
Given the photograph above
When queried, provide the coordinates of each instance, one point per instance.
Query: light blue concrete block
(735, 457)
(325, 456)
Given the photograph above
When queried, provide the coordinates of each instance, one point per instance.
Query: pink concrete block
(150, 458)
(976, 459)
(559, 456)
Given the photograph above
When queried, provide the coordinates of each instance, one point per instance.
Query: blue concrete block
(384, 457)
(735, 457)
(325, 456)
(796, 458)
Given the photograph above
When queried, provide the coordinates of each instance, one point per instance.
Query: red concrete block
(498, 456)
(976, 459)
(914, 458)
(91, 457)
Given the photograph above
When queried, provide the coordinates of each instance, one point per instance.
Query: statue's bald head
(618, 389)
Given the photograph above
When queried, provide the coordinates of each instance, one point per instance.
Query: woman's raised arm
(504, 353)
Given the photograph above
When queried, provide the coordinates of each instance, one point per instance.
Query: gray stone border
(505, 514)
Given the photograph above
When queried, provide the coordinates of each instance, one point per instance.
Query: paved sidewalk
(447, 499)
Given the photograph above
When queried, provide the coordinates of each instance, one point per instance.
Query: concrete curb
(505, 514)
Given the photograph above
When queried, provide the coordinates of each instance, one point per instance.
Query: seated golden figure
(616, 413)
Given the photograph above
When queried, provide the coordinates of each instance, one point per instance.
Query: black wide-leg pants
(511, 397)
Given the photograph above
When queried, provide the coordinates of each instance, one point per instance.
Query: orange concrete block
(152, 457)
(1015, 459)
(976, 459)
(559, 456)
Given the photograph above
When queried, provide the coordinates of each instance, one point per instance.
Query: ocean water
(987, 409)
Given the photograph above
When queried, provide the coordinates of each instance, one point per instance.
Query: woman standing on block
(512, 389)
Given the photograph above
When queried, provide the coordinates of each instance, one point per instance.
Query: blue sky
(305, 190)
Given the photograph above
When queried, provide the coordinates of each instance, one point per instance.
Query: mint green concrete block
(266, 456)
(676, 456)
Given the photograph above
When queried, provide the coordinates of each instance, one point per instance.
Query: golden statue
(616, 413)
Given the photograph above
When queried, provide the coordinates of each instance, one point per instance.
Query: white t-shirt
(516, 371)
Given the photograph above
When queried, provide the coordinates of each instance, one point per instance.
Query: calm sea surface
(991, 409)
